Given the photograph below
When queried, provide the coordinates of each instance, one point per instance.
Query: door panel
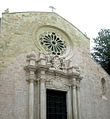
(56, 105)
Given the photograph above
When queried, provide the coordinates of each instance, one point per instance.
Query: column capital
(31, 81)
(32, 76)
(74, 83)
(78, 84)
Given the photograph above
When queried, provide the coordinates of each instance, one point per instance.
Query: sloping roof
(49, 13)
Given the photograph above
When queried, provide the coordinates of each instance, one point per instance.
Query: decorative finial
(7, 10)
(53, 8)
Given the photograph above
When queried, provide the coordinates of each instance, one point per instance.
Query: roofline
(74, 26)
(52, 13)
(28, 12)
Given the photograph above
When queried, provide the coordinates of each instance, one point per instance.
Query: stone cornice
(55, 72)
(29, 68)
(52, 71)
(50, 67)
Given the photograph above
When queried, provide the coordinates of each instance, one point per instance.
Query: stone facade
(27, 69)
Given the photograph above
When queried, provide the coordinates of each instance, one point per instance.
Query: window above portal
(52, 40)
(53, 43)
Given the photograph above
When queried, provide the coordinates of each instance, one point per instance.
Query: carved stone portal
(52, 72)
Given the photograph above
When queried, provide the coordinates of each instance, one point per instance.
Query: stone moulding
(45, 29)
(54, 73)
(67, 72)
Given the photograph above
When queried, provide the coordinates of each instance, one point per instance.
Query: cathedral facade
(46, 71)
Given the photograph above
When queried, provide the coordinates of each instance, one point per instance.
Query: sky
(89, 16)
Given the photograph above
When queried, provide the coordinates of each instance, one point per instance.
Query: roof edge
(73, 26)
(52, 13)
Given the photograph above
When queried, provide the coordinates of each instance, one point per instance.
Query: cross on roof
(53, 8)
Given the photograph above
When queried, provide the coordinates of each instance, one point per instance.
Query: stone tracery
(51, 42)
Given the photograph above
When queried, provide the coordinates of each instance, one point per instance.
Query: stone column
(38, 98)
(42, 99)
(75, 113)
(31, 69)
(42, 62)
(69, 104)
(31, 99)
(78, 98)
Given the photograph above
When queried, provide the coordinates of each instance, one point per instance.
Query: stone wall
(19, 30)
(93, 104)
(17, 40)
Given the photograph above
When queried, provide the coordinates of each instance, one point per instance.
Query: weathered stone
(27, 69)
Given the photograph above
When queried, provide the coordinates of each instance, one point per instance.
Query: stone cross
(7, 10)
(53, 8)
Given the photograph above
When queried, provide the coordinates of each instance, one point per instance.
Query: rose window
(52, 43)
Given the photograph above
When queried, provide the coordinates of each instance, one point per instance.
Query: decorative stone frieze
(51, 65)
(53, 72)
(56, 66)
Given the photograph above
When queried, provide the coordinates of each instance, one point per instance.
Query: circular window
(51, 42)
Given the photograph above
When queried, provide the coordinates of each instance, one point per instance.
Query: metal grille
(56, 105)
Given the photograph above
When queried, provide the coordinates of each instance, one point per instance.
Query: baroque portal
(53, 74)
